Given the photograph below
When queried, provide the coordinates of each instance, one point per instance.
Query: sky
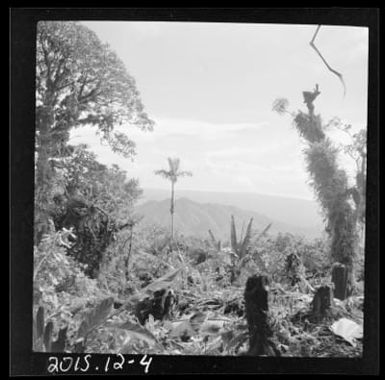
(209, 87)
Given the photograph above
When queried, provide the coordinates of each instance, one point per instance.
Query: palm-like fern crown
(173, 173)
(173, 164)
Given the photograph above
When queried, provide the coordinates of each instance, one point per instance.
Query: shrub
(60, 285)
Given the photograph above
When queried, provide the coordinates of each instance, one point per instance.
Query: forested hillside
(296, 212)
(195, 219)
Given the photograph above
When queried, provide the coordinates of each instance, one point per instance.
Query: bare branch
(312, 44)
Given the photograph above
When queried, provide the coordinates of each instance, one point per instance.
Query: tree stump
(256, 305)
(160, 305)
(322, 303)
(340, 280)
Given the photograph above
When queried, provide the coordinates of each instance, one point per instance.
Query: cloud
(254, 157)
(203, 128)
(210, 91)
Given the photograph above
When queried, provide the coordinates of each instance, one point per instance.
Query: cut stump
(322, 302)
(340, 281)
(160, 305)
(256, 305)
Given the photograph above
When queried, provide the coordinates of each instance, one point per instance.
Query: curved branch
(339, 75)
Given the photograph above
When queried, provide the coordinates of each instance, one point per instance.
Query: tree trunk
(256, 305)
(333, 192)
(127, 261)
(344, 245)
(172, 209)
(322, 302)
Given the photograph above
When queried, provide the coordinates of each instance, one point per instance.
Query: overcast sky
(209, 87)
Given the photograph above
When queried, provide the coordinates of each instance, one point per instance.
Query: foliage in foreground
(207, 313)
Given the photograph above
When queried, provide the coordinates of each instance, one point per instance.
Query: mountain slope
(297, 212)
(192, 218)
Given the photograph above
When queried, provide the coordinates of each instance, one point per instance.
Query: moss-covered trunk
(332, 189)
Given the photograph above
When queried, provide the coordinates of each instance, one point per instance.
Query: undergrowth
(203, 285)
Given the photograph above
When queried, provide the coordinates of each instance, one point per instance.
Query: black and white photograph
(200, 188)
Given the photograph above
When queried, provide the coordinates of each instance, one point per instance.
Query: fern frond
(163, 173)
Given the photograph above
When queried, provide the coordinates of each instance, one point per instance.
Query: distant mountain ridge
(293, 211)
(195, 219)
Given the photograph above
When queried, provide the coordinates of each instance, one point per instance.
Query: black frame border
(22, 112)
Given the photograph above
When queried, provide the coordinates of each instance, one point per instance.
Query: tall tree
(79, 81)
(172, 174)
(331, 186)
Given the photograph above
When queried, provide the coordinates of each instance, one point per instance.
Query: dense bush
(60, 285)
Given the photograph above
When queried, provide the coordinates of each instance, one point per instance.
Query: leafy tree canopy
(80, 80)
(81, 175)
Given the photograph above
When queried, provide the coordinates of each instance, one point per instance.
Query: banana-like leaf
(246, 240)
(263, 232)
(37, 342)
(48, 336)
(162, 282)
(242, 229)
(95, 317)
(212, 237)
(59, 344)
(40, 322)
(233, 235)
